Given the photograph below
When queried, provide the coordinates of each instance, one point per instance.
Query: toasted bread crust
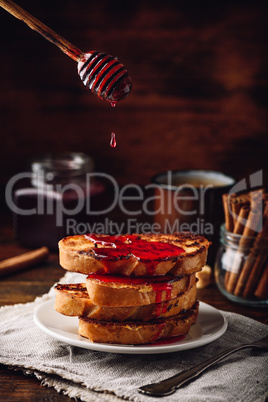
(73, 300)
(116, 294)
(77, 254)
(136, 333)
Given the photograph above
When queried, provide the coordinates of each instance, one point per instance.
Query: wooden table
(27, 285)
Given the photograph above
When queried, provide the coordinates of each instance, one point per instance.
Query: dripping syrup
(113, 140)
(148, 252)
(161, 327)
(162, 286)
(167, 288)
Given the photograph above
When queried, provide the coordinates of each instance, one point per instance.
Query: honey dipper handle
(18, 12)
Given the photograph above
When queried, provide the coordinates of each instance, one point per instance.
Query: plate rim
(134, 349)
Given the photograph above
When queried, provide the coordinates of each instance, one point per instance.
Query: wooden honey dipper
(102, 74)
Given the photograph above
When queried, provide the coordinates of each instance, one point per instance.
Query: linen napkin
(107, 377)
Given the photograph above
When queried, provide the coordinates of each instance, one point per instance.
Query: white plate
(211, 324)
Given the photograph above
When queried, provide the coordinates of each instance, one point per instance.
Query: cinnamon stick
(252, 268)
(262, 288)
(241, 220)
(20, 262)
(253, 278)
(227, 212)
(256, 197)
(238, 229)
(236, 206)
(232, 204)
(245, 242)
(244, 275)
(237, 202)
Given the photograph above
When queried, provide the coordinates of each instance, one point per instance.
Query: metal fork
(169, 386)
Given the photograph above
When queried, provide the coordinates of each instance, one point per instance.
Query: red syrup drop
(113, 140)
(148, 252)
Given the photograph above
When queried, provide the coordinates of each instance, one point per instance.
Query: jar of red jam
(52, 199)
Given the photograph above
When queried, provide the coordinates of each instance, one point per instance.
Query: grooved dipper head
(104, 76)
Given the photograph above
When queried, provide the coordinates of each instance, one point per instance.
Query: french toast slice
(137, 333)
(73, 300)
(116, 291)
(134, 255)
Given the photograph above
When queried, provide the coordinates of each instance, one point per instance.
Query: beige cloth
(98, 376)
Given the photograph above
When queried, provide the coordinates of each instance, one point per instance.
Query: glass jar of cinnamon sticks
(241, 267)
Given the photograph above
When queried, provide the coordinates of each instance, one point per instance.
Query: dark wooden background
(199, 100)
(199, 96)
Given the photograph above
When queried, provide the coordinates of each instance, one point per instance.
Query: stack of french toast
(138, 288)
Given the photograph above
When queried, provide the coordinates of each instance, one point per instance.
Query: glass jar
(241, 268)
(51, 200)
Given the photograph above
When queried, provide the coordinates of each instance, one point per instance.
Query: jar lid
(60, 167)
